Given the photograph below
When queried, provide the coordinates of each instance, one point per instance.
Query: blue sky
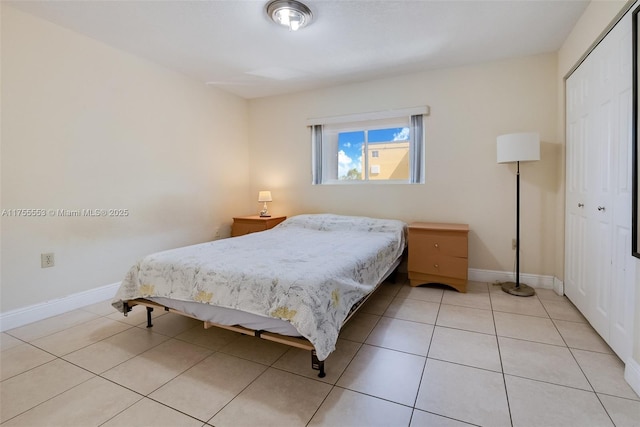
(350, 145)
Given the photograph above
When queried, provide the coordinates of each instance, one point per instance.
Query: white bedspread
(309, 270)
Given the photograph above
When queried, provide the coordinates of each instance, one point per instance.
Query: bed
(297, 283)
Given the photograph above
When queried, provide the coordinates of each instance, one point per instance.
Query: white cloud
(346, 163)
(403, 135)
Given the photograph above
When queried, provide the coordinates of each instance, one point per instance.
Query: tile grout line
(426, 358)
(580, 366)
(57, 394)
(238, 394)
(504, 378)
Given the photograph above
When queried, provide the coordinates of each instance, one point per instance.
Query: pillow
(332, 222)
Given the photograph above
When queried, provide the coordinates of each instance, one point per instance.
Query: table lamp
(264, 197)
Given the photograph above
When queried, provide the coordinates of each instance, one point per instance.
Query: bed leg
(316, 364)
(322, 374)
(125, 308)
(149, 310)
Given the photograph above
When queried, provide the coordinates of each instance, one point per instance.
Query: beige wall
(87, 126)
(470, 107)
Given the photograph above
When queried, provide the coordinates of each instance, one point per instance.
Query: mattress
(308, 271)
(231, 317)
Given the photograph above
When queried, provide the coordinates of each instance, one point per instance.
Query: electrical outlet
(47, 260)
(217, 235)
(513, 244)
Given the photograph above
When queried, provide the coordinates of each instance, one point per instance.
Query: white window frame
(323, 152)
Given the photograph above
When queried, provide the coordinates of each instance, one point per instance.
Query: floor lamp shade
(518, 147)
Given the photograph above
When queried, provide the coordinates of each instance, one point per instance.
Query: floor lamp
(518, 147)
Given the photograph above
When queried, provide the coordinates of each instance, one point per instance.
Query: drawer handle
(436, 265)
(436, 245)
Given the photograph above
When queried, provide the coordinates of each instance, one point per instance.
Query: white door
(599, 268)
(622, 293)
(577, 185)
(600, 207)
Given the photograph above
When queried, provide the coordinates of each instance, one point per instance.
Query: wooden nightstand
(250, 224)
(438, 254)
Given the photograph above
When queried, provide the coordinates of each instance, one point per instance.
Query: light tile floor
(426, 356)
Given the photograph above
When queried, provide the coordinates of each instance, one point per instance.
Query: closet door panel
(576, 224)
(599, 210)
(622, 305)
(623, 264)
(599, 277)
(575, 281)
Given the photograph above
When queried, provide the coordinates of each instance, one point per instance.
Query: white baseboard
(23, 316)
(558, 286)
(632, 375)
(533, 280)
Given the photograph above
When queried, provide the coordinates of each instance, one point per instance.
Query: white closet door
(601, 145)
(599, 268)
(578, 92)
(621, 309)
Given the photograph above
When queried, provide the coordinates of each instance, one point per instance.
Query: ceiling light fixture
(289, 13)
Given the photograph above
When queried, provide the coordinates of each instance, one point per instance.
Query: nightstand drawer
(438, 244)
(240, 229)
(445, 266)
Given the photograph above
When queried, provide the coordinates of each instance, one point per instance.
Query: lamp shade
(264, 196)
(519, 147)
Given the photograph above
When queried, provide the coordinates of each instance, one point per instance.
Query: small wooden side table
(438, 253)
(250, 224)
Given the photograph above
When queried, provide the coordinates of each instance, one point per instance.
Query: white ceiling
(232, 44)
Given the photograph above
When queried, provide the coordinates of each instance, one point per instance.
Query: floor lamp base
(518, 290)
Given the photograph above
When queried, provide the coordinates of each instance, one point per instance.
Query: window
(367, 148)
(357, 150)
